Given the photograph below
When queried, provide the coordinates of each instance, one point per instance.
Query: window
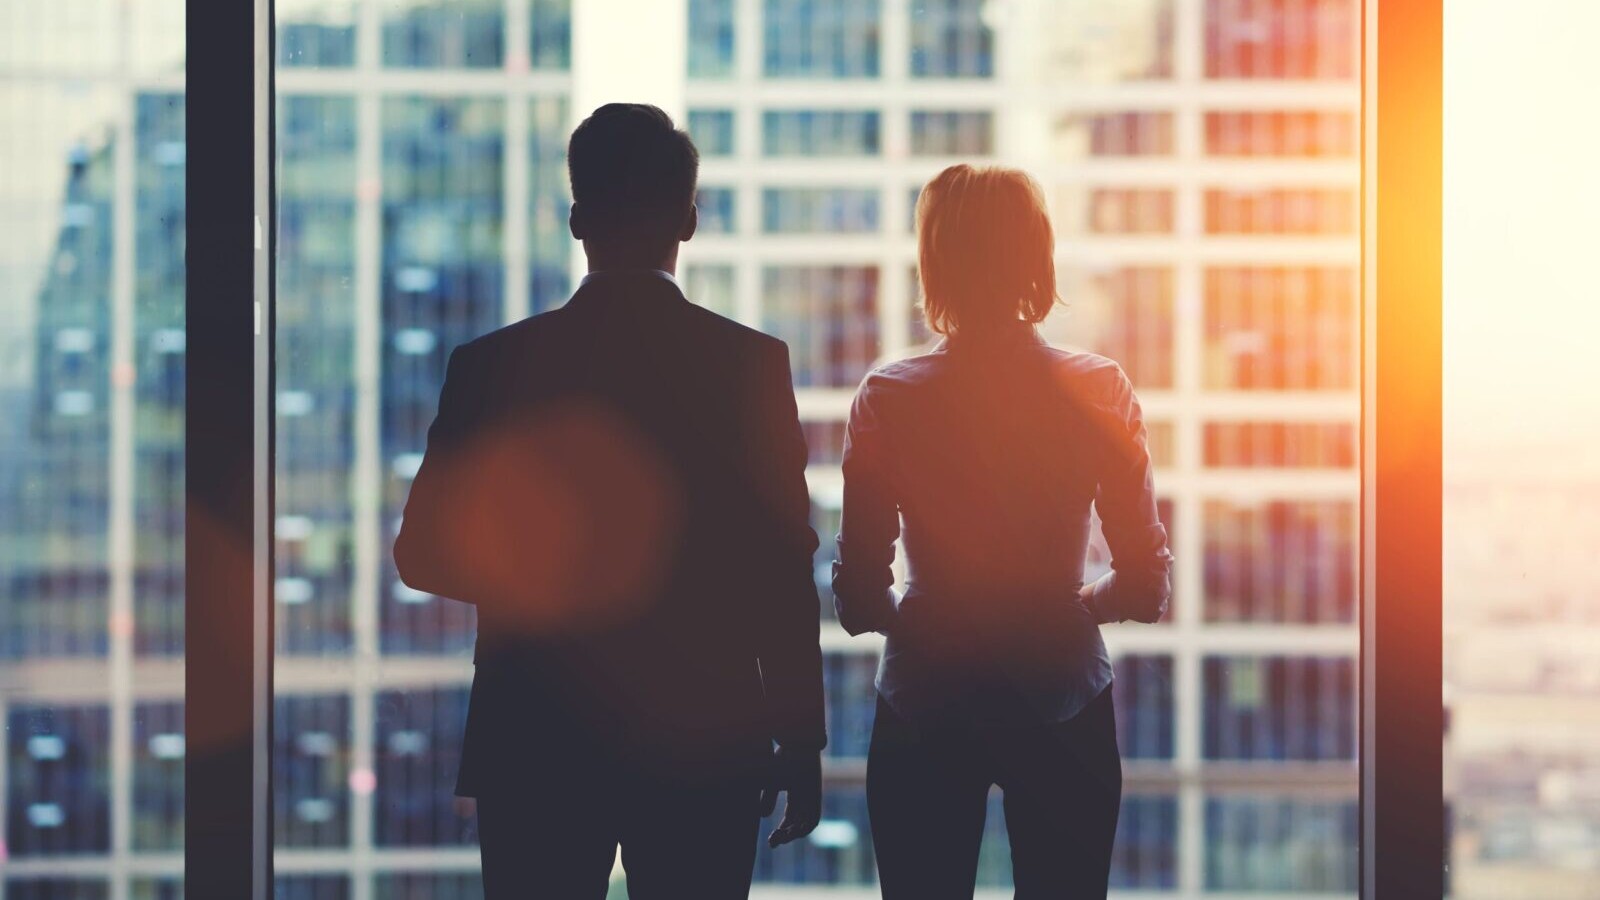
(422, 201)
(821, 38)
(952, 133)
(93, 351)
(1288, 133)
(820, 133)
(950, 39)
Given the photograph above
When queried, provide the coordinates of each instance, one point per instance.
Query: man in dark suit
(618, 486)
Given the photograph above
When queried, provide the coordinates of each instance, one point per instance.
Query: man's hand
(800, 774)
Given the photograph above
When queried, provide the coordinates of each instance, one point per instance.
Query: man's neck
(602, 261)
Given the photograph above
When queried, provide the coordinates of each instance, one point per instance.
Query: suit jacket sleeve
(787, 620)
(422, 553)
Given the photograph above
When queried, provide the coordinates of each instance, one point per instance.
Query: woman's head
(985, 250)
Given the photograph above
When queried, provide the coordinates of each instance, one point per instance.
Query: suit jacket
(618, 485)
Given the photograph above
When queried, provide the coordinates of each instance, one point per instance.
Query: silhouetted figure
(985, 456)
(618, 485)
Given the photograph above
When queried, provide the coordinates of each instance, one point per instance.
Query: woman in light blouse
(984, 457)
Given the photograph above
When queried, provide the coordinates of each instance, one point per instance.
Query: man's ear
(690, 223)
(577, 222)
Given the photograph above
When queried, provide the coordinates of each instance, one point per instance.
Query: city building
(1201, 160)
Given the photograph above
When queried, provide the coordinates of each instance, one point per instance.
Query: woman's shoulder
(1090, 375)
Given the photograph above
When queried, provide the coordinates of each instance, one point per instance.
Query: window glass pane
(712, 131)
(1103, 40)
(820, 133)
(819, 210)
(717, 209)
(712, 286)
(1281, 211)
(710, 38)
(828, 317)
(957, 133)
(92, 402)
(951, 39)
(319, 33)
(1307, 39)
(1521, 473)
(549, 34)
(1280, 328)
(1280, 561)
(439, 34)
(821, 38)
(421, 209)
(1292, 133)
(1113, 134)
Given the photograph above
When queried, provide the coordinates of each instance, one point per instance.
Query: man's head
(633, 181)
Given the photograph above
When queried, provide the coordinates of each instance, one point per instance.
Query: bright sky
(1522, 232)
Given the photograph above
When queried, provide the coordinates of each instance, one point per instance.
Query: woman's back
(991, 452)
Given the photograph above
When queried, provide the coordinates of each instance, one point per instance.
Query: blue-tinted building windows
(310, 887)
(847, 680)
(550, 251)
(1267, 842)
(311, 770)
(712, 131)
(952, 132)
(58, 774)
(444, 34)
(821, 38)
(1143, 696)
(322, 36)
(416, 755)
(57, 889)
(316, 404)
(710, 38)
(550, 34)
(159, 360)
(819, 210)
(158, 754)
(717, 210)
(1280, 708)
(806, 132)
(441, 286)
(428, 886)
(950, 39)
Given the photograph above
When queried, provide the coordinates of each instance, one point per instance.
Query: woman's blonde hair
(985, 249)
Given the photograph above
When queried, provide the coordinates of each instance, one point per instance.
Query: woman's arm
(863, 582)
(1139, 585)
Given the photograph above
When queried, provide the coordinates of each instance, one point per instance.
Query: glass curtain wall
(92, 158)
(1201, 161)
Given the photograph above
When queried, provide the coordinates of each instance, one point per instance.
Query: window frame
(229, 451)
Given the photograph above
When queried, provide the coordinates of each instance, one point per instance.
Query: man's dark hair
(633, 173)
